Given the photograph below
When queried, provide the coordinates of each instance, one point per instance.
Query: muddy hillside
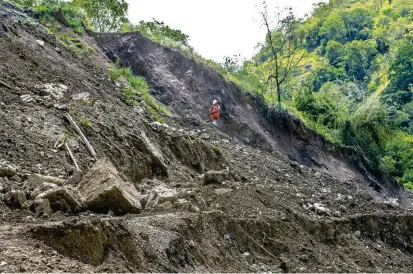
(89, 182)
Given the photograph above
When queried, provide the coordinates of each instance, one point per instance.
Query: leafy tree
(283, 40)
(335, 53)
(158, 30)
(401, 69)
(333, 28)
(232, 64)
(105, 15)
(326, 74)
(358, 23)
(359, 58)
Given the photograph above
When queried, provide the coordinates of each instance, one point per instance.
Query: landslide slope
(206, 202)
(188, 88)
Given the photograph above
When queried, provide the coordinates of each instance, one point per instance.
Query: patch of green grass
(74, 44)
(137, 87)
(84, 121)
(409, 186)
(217, 149)
(155, 114)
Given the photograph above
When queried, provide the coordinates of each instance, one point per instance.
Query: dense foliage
(99, 15)
(355, 84)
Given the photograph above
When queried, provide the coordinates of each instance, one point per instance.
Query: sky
(216, 28)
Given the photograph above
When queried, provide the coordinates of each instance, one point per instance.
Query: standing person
(214, 112)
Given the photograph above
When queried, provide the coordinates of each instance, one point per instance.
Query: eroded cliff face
(264, 193)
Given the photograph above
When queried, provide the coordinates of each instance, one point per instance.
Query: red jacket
(214, 111)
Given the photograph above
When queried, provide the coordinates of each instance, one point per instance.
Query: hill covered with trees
(353, 78)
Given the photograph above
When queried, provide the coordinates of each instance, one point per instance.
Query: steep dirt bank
(188, 87)
(205, 201)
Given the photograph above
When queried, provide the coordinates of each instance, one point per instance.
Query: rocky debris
(35, 180)
(15, 198)
(83, 96)
(76, 177)
(65, 199)
(161, 194)
(195, 132)
(40, 42)
(42, 188)
(55, 90)
(392, 202)
(7, 170)
(222, 191)
(155, 153)
(26, 98)
(104, 190)
(320, 209)
(215, 177)
(41, 207)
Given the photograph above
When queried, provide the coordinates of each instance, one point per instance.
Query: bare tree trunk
(279, 95)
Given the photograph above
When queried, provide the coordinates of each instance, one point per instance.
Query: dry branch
(88, 145)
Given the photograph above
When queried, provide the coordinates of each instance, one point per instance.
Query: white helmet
(214, 102)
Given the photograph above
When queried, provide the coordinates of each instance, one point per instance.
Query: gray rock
(222, 191)
(160, 195)
(104, 190)
(15, 198)
(40, 42)
(83, 96)
(50, 89)
(7, 170)
(41, 207)
(320, 209)
(75, 178)
(65, 199)
(42, 188)
(26, 98)
(215, 177)
(35, 180)
(155, 153)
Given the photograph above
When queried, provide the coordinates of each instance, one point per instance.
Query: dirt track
(269, 214)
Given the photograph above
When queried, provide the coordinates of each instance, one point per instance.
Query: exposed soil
(274, 211)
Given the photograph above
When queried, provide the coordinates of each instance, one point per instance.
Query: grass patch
(217, 149)
(84, 121)
(74, 44)
(138, 87)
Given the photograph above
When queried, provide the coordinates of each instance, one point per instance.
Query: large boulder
(105, 191)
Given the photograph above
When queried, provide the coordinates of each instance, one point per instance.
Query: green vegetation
(74, 44)
(137, 89)
(159, 32)
(104, 15)
(354, 85)
(84, 121)
(217, 149)
(99, 15)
